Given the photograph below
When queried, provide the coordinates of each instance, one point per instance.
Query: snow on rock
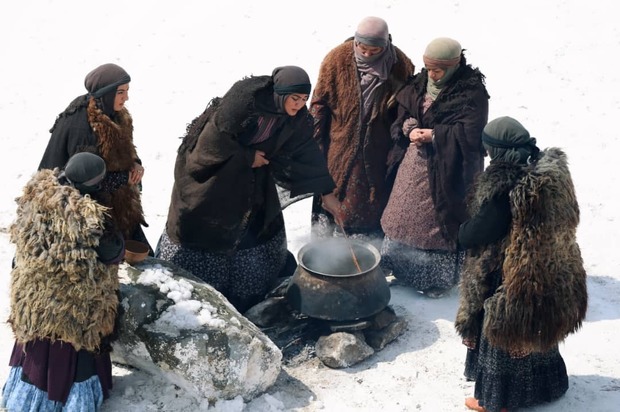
(178, 327)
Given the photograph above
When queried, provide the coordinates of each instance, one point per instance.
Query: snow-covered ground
(549, 64)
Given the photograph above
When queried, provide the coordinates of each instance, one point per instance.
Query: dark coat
(217, 193)
(530, 283)
(456, 156)
(337, 110)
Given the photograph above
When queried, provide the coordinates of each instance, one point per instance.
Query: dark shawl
(216, 190)
(456, 156)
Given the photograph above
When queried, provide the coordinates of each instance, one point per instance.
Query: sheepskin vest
(115, 146)
(542, 295)
(59, 290)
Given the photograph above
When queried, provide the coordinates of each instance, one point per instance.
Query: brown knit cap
(105, 79)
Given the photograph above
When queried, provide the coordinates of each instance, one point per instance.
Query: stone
(379, 338)
(268, 312)
(342, 349)
(178, 327)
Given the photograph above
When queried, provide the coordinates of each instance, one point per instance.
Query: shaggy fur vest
(115, 146)
(542, 295)
(59, 290)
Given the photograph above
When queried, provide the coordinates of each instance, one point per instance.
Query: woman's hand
(135, 174)
(333, 206)
(470, 343)
(259, 159)
(420, 136)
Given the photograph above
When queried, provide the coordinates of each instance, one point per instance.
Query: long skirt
(421, 269)
(503, 381)
(243, 276)
(47, 376)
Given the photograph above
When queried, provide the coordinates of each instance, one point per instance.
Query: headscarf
(506, 140)
(288, 80)
(443, 53)
(85, 171)
(374, 70)
(102, 82)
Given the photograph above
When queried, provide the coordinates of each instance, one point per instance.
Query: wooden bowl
(135, 251)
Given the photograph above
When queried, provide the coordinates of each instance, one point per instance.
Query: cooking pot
(327, 283)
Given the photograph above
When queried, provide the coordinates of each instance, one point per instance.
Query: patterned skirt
(19, 395)
(506, 382)
(244, 276)
(53, 376)
(421, 269)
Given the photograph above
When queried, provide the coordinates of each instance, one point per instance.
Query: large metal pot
(327, 284)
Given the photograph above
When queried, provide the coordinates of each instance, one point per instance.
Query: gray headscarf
(288, 80)
(506, 140)
(85, 171)
(374, 70)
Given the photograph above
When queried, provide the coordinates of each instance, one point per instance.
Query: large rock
(177, 326)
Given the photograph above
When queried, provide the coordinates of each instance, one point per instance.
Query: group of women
(389, 155)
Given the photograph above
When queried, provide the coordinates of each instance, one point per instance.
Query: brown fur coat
(542, 296)
(336, 106)
(59, 290)
(115, 141)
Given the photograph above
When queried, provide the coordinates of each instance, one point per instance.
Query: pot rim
(339, 240)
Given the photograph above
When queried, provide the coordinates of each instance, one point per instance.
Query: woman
(225, 222)
(99, 122)
(353, 107)
(64, 287)
(524, 286)
(441, 114)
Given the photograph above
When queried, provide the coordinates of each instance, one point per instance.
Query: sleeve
(300, 166)
(111, 249)
(320, 107)
(400, 139)
(489, 225)
(213, 149)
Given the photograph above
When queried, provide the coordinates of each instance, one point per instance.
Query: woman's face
(366, 50)
(436, 73)
(294, 102)
(122, 95)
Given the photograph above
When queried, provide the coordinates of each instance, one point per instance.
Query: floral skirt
(19, 395)
(506, 382)
(244, 276)
(419, 268)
